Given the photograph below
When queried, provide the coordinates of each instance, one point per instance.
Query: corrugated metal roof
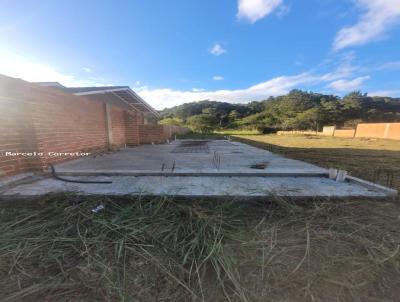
(123, 93)
(91, 89)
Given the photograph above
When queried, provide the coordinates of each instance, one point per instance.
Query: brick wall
(118, 125)
(376, 130)
(41, 119)
(140, 118)
(379, 130)
(393, 131)
(151, 133)
(172, 130)
(16, 134)
(132, 120)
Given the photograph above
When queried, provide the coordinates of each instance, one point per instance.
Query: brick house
(38, 120)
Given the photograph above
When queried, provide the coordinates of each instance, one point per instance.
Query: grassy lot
(57, 249)
(377, 160)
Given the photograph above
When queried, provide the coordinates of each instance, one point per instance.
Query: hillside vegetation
(297, 110)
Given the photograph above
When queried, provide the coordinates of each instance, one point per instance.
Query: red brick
(43, 119)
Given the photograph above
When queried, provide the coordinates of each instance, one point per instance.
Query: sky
(177, 51)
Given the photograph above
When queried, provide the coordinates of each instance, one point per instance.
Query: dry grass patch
(162, 250)
(377, 160)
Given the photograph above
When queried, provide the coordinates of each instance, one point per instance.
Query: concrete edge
(10, 179)
(191, 174)
(19, 178)
(371, 185)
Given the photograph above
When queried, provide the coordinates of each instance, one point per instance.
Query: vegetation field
(377, 160)
(58, 249)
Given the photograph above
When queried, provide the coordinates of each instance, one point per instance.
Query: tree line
(298, 110)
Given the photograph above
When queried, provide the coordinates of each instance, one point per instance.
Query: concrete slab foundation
(222, 157)
(196, 169)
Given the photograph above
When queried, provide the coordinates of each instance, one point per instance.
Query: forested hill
(296, 110)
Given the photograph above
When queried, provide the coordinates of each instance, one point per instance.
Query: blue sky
(177, 51)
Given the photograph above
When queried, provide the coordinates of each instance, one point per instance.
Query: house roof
(50, 84)
(120, 93)
(92, 89)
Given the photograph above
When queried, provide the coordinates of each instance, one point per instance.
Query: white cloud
(345, 76)
(161, 98)
(87, 69)
(348, 85)
(344, 68)
(27, 69)
(218, 78)
(378, 15)
(217, 50)
(392, 93)
(254, 10)
(165, 97)
(394, 65)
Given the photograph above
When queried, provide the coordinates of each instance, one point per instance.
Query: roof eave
(151, 109)
(111, 90)
(100, 91)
